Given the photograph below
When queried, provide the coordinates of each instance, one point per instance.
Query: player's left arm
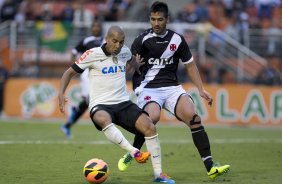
(194, 75)
(192, 70)
(135, 63)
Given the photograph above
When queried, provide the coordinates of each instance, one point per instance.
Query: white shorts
(166, 97)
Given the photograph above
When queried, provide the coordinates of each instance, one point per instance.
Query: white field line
(178, 141)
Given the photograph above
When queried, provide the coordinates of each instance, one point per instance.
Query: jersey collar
(161, 36)
(105, 50)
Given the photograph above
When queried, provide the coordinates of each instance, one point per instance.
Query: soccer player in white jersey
(157, 86)
(109, 99)
(95, 40)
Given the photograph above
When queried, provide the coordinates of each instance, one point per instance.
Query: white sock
(153, 146)
(115, 136)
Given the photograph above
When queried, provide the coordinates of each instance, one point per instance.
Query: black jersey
(161, 56)
(86, 44)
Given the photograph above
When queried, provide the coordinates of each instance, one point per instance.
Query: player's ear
(168, 19)
(107, 38)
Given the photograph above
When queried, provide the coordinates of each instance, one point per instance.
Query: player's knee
(155, 120)
(101, 118)
(154, 117)
(151, 130)
(195, 122)
(148, 127)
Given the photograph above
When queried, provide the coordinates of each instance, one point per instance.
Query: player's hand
(62, 101)
(138, 63)
(204, 94)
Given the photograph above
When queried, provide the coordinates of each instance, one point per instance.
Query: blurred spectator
(228, 7)
(187, 14)
(116, 10)
(20, 17)
(265, 8)
(216, 40)
(269, 76)
(3, 79)
(67, 13)
(225, 76)
(243, 27)
(143, 12)
(83, 17)
(1, 3)
(201, 11)
(96, 39)
(8, 11)
(232, 29)
(273, 34)
(46, 14)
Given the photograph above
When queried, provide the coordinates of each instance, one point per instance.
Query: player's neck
(161, 35)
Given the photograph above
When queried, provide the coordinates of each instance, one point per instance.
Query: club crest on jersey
(172, 47)
(115, 59)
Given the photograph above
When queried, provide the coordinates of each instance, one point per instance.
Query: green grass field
(38, 153)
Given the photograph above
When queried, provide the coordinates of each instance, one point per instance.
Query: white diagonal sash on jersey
(152, 72)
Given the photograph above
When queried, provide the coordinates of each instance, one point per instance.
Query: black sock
(201, 141)
(68, 124)
(138, 140)
(82, 107)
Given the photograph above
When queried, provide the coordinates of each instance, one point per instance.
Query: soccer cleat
(218, 170)
(66, 131)
(124, 162)
(141, 157)
(163, 178)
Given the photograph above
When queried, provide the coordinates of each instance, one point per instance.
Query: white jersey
(106, 75)
(84, 83)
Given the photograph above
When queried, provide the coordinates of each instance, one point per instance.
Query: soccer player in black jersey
(95, 40)
(157, 86)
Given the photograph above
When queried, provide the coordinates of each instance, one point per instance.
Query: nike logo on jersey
(103, 60)
(158, 61)
(113, 69)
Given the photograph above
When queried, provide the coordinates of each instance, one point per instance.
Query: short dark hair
(159, 7)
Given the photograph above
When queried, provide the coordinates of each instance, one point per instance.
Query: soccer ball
(96, 171)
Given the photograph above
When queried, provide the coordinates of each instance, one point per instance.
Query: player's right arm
(85, 61)
(65, 80)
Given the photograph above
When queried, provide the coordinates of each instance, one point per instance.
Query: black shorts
(124, 114)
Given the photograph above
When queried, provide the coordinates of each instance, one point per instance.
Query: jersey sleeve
(184, 52)
(84, 62)
(128, 54)
(136, 45)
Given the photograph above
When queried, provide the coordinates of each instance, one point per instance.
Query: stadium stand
(240, 36)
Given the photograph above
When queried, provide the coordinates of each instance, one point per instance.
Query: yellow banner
(233, 104)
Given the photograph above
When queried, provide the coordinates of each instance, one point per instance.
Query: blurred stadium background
(237, 45)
